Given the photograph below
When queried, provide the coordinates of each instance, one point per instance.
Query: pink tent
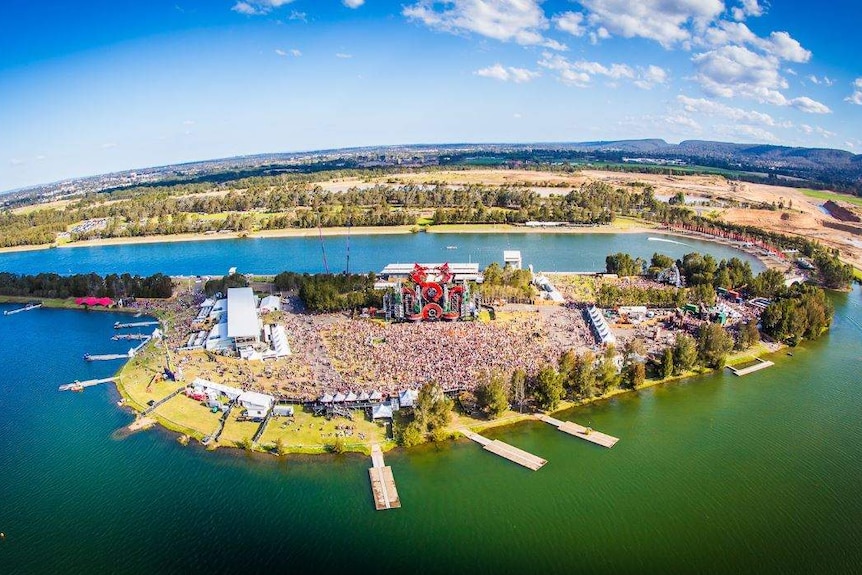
(102, 301)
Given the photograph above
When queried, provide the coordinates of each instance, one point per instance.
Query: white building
(256, 404)
(512, 258)
(243, 323)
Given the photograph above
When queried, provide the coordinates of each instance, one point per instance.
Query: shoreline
(69, 304)
(185, 432)
(141, 423)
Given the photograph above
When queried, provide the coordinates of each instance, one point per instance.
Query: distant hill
(811, 167)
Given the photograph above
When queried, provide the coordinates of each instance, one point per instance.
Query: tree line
(331, 292)
(114, 286)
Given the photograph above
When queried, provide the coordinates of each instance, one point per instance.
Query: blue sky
(88, 88)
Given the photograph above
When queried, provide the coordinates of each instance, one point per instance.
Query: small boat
(451, 247)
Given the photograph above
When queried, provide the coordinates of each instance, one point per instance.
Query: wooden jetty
(586, 433)
(506, 451)
(27, 307)
(80, 385)
(129, 336)
(382, 482)
(119, 325)
(107, 356)
(761, 364)
(112, 356)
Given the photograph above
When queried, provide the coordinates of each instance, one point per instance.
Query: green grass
(304, 431)
(825, 195)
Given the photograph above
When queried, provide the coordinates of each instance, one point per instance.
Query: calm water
(547, 252)
(716, 474)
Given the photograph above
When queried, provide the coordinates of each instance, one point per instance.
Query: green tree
(432, 410)
(667, 363)
(684, 353)
(623, 265)
(410, 435)
(492, 394)
(635, 374)
(768, 283)
(548, 388)
(583, 381)
(748, 335)
(713, 345)
(608, 375)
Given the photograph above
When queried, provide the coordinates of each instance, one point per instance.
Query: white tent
(270, 303)
(408, 397)
(381, 411)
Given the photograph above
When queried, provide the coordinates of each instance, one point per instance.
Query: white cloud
(650, 76)
(108, 145)
(504, 74)
(571, 22)
(353, 3)
(343, 56)
(681, 121)
(731, 71)
(856, 96)
(292, 52)
(297, 15)
(188, 122)
(518, 116)
(519, 21)
(806, 104)
(783, 46)
(748, 133)
(747, 8)
(778, 44)
(712, 108)
(16, 162)
(668, 22)
(257, 7)
(580, 73)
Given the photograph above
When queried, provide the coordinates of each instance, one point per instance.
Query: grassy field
(825, 195)
(189, 414)
(237, 431)
(305, 432)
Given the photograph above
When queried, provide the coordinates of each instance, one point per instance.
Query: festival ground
(334, 352)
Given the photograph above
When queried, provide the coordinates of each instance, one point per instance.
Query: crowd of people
(393, 357)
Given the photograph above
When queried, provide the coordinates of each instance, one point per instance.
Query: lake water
(547, 252)
(714, 474)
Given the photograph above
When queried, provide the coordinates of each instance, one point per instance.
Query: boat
(451, 247)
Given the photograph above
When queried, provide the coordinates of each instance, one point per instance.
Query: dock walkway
(506, 451)
(586, 433)
(761, 364)
(382, 482)
(80, 385)
(119, 325)
(20, 309)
